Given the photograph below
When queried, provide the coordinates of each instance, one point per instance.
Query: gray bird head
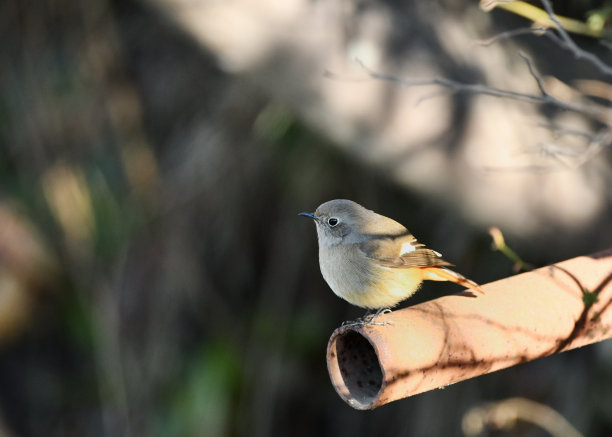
(343, 221)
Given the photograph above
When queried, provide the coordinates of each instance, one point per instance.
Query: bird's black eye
(332, 221)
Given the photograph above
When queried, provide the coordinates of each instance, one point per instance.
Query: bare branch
(559, 25)
(563, 39)
(460, 87)
(559, 35)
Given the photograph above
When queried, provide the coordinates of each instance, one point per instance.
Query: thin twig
(511, 34)
(333, 76)
(452, 85)
(561, 131)
(603, 139)
(535, 75)
(606, 44)
(576, 158)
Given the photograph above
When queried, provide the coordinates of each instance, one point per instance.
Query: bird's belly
(366, 284)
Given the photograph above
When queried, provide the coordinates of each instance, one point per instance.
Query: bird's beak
(309, 214)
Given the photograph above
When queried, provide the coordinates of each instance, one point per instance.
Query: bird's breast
(363, 281)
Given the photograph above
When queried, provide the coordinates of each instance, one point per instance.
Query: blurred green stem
(500, 244)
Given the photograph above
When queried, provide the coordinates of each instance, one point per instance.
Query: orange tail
(444, 274)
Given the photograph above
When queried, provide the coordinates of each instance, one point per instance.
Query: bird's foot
(369, 319)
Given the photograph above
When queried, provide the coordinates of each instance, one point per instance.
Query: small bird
(372, 261)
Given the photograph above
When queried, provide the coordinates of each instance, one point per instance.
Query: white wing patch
(410, 247)
(407, 248)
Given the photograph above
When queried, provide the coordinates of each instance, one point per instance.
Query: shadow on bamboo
(453, 338)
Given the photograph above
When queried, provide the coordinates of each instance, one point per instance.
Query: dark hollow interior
(359, 367)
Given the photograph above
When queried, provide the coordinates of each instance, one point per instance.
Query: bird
(372, 261)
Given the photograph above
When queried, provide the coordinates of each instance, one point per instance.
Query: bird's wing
(402, 252)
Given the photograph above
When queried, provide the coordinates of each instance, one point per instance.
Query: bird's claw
(369, 319)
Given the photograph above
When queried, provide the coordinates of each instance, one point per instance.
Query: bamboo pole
(457, 337)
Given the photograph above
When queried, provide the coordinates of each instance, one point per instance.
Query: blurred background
(155, 278)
